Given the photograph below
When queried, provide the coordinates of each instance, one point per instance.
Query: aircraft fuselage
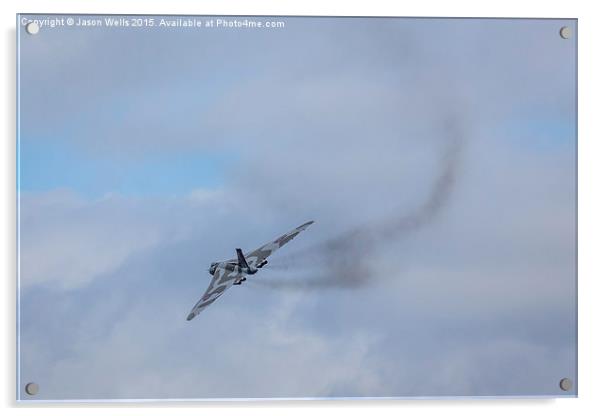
(231, 267)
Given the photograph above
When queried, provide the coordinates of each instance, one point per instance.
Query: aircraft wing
(255, 257)
(222, 280)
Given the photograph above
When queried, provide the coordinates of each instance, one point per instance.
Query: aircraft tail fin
(242, 262)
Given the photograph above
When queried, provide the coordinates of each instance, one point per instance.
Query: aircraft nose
(190, 316)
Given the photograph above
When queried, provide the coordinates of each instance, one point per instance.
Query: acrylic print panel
(410, 182)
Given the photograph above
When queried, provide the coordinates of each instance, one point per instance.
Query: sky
(437, 158)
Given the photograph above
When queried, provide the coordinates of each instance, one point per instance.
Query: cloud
(439, 313)
(131, 323)
(471, 293)
(67, 241)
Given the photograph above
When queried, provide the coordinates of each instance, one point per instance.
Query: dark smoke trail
(343, 259)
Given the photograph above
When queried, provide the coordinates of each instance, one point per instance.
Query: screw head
(32, 389)
(565, 32)
(32, 28)
(566, 384)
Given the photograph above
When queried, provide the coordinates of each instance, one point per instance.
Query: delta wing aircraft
(234, 271)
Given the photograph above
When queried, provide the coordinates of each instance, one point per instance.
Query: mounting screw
(566, 384)
(565, 32)
(32, 389)
(32, 28)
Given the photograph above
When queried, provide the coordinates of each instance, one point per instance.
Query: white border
(590, 204)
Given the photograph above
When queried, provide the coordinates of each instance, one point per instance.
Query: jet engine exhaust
(341, 260)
